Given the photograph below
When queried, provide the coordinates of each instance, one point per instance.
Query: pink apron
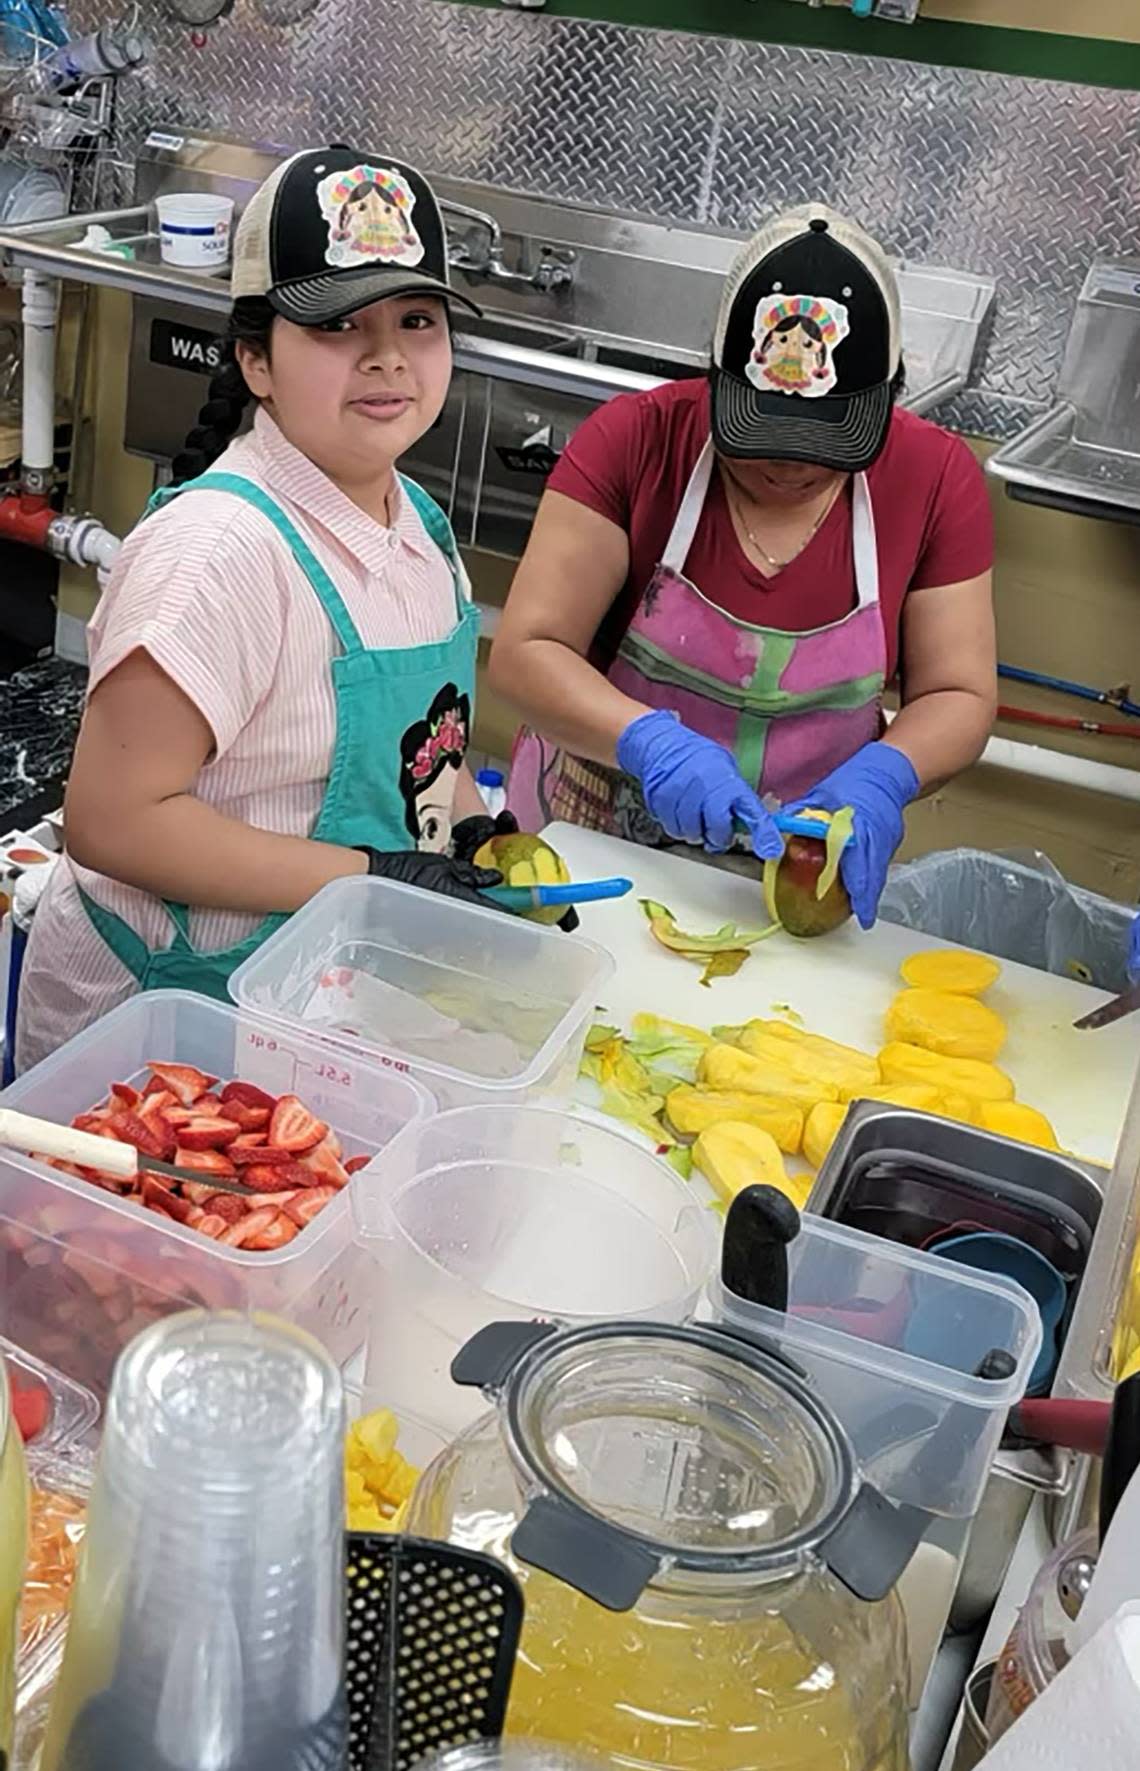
(790, 706)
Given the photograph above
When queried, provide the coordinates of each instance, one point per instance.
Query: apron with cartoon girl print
(789, 706)
(403, 719)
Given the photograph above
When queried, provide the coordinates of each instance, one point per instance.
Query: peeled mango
(1013, 1120)
(733, 1155)
(951, 1026)
(920, 1097)
(692, 1110)
(811, 1057)
(902, 1062)
(950, 968)
(727, 1067)
(525, 860)
(821, 1128)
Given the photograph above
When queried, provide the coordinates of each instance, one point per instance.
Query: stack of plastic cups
(207, 1623)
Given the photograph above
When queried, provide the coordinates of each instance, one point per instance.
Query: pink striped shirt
(209, 589)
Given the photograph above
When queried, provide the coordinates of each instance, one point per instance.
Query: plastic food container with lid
(479, 1005)
(708, 1578)
(85, 1270)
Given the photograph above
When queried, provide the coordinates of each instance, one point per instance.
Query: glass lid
(710, 1452)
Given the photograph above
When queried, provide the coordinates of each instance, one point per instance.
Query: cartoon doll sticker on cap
(795, 338)
(431, 754)
(369, 216)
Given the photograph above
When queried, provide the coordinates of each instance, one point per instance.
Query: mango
(811, 1057)
(726, 1067)
(903, 1062)
(821, 1128)
(733, 1155)
(951, 1026)
(966, 1109)
(1013, 1120)
(692, 1110)
(525, 860)
(792, 885)
(950, 968)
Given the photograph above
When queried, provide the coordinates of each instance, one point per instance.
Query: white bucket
(194, 230)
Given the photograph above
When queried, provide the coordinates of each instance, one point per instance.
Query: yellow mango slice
(733, 1155)
(692, 1110)
(921, 1097)
(952, 1026)
(810, 1057)
(964, 1108)
(1013, 1120)
(950, 968)
(901, 1061)
(725, 1067)
(821, 1128)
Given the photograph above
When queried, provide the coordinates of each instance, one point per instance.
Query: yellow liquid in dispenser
(674, 1685)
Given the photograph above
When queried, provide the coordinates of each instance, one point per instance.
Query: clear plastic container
(1103, 1342)
(72, 1410)
(488, 1213)
(477, 1004)
(84, 1270)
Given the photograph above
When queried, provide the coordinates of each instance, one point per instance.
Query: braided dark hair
(251, 322)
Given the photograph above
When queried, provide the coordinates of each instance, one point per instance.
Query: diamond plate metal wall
(1023, 180)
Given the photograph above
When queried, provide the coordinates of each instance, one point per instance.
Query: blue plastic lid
(489, 778)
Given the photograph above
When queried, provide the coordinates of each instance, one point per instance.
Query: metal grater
(432, 1633)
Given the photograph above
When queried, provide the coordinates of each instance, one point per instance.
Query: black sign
(534, 458)
(185, 347)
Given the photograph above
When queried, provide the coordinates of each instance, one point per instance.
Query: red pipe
(1059, 722)
(26, 517)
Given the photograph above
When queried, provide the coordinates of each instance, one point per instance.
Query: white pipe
(40, 311)
(1056, 765)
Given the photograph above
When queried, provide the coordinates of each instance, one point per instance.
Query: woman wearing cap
(724, 574)
(283, 664)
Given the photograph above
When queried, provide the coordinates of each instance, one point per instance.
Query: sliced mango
(952, 1026)
(901, 1061)
(950, 968)
(809, 1056)
(1013, 1120)
(692, 1110)
(733, 1155)
(726, 1067)
(821, 1128)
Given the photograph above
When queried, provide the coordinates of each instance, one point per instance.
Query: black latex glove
(469, 835)
(434, 873)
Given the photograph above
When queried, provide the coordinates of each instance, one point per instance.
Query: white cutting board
(842, 983)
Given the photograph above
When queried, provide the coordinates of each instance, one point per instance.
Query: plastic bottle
(492, 789)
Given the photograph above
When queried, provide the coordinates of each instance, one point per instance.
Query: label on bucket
(267, 1058)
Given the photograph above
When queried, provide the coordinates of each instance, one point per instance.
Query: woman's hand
(878, 782)
(434, 873)
(693, 786)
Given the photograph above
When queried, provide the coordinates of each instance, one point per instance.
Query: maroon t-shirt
(631, 461)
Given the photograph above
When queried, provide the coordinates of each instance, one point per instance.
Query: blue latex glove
(1134, 951)
(693, 787)
(878, 782)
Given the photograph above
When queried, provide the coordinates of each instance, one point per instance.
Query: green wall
(1043, 54)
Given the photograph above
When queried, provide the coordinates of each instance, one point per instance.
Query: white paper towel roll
(1089, 1716)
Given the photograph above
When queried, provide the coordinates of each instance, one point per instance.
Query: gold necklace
(769, 559)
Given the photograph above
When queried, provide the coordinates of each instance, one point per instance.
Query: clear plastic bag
(1016, 906)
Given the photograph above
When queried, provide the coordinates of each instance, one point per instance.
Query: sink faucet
(554, 271)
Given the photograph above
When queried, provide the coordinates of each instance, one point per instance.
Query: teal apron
(391, 692)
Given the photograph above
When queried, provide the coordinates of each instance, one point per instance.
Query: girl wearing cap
(283, 663)
(725, 573)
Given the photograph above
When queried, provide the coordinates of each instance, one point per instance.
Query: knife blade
(1125, 1004)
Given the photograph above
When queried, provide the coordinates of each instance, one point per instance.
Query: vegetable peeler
(538, 897)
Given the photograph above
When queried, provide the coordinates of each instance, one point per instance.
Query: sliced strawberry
(184, 1081)
(248, 1094)
(199, 1192)
(149, 1139)
(356, 1163)
(178, 1208)
(31, 1404)
(285, 1177)
(209, 1162)
(334, 1144)
(227, 1205)
(293, 1127)
(237, 1235)
(206, 1134)
(210, 1107)
(275, 1235)
(92, 1122)
(263, 1154)
(154, 1107)
(249, 1118)
(323, 1163)
(124, 1097)
(303, 1207)
(211, 1225)
(277, 1200)
(251, 1140)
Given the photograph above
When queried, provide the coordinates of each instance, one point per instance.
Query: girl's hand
(434, 873)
